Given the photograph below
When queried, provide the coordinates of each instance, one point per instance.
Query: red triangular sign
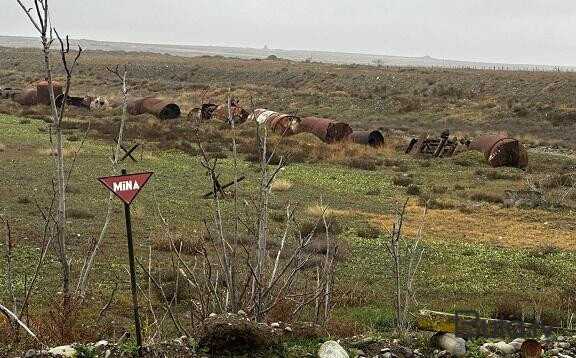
(126, 187)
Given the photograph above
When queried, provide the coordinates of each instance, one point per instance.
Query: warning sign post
(126, 187)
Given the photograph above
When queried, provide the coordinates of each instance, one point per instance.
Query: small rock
(505, 348)
(108, 353)
(212, 314)
(242, 313)
(554, 351)
(30, 353)
(66, 351)
(484, 350)
(100, 343)
(387, 355)
(563, 345)
(450, 343)
(275, 325)
(331, 349)
(561, 339)
(356, 352)
(406, 352)
(384, 350)
(516, 345)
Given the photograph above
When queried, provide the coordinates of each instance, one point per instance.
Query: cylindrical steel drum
(43, 93)
(328, 130)
(281, 123)
(372, 138)
(501, 151)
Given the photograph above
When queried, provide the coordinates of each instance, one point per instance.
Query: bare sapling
(406, 256)
(85, 273)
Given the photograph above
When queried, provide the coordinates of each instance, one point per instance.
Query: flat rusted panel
(26, 97)
(160, 108)
(328, 130)
(281, 123)
(372, 138)
(501, 151)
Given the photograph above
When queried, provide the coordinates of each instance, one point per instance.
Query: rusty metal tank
(328, 130)
(160, 108)
(501, 150)
(43, 93)
(26, 97)
(281, 123)
(372, 138)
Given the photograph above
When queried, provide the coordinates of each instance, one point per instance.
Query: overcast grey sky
(510, 31)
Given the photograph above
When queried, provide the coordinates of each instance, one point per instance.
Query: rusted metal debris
(160, 108)
(209, 110)
(501, 151)
(281, 123)
(9, 93)
(372, 138)
(27, 97)
(441, 146)
(328, 130)
(32, 96)
(89, 102)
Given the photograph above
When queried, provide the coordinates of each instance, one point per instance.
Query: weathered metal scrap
(501, 150)
(372, 138)
(90, 102)
(239, 115)
(9, 93)
(160, 108)
(281, 123)
(201, 114)
(328, 130)
(27, 97)
(441, 146)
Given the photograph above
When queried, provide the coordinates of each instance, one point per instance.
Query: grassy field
(479, 254)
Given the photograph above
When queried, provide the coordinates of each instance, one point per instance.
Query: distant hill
(295, 55)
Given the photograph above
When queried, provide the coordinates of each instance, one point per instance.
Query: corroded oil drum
(501, 151)
(372, 138)
(328, 130)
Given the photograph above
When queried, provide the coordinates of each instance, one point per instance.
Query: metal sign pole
(132, 273)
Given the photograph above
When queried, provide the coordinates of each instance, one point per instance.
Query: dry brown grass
(68, 152)
(282, 185)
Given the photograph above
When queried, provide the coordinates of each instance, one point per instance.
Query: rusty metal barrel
(328, 130)
(372, 138)
(501, 151)
(281, 123)
(43, 92)
(160, 108)
(26, 97)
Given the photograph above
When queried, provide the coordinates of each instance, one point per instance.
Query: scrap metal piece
(372, 138)
(501, 151)
(281, 123)
(160, 108)
(202, 114)
(27, 97)
(328, 130)
(440, 147)
(90, 102)
(239, 115)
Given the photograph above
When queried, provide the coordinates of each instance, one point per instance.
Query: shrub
(373, 191)
(23, 200)
(369, 232)
(281, 185)
(437, 189)
(364, 164)
(413, 189)
(507, 307)
(402, 180)
(79, 213)
(486, 197)
(189, 246)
